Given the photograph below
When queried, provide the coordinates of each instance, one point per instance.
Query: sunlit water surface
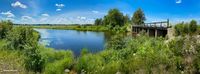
(73, 40)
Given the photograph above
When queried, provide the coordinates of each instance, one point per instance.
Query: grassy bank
(74, 27)
(126, 56)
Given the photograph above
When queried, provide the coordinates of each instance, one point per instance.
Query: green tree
(138, 17)
(126, 19)
(5, 26)
(186, 28)
(98, 22)
(114, 18)
(193, 26)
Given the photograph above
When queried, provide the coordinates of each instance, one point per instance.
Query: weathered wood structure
(152, 29)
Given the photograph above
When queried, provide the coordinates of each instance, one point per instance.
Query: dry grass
(11, 63)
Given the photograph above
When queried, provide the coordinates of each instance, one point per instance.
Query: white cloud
(18, 4)
(58, 9)
(59, 5)
(95, 12)
(8, 14)
(81, 18)
(178, 1)
(26, 18)
(10, 19)
(45, 15)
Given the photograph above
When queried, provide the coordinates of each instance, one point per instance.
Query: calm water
(73, 40)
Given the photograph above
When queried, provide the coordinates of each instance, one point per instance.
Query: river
(73, 40)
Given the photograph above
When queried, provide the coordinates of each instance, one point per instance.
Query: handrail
(162, 24)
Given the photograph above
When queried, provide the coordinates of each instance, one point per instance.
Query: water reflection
(73, 40)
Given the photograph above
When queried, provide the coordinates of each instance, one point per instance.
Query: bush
(58, 61)
(25, 39)
(193, 26)
(186, 49)
(185, 28)
(5, 26)
(90, 64)
(34, 60)
(179, 28)
(20, 37)
(117, 42)
(84, 51)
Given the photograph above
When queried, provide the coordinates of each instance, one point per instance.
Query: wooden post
(168, 23)
(156, 33)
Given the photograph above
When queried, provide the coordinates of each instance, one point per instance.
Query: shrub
(193, 26)
(25, 39)
(5, 26)
(89, 64)
(59, 67)
(84, 51)
(19, 37)
(179, 28)
(187, 50)
(34, 61)
(185, 28)
(57, 61)
(117, 42)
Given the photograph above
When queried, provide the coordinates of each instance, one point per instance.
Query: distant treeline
(52, 24)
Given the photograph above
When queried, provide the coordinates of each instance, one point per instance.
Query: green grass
(11, 62)
(76, 27)
(125, 55)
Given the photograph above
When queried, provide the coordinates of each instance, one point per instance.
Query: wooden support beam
(156, 33)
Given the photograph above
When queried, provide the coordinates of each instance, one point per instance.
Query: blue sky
(86, 11)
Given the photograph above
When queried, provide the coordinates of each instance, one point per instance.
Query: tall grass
(11, 62)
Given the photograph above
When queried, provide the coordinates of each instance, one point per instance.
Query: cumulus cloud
(18, 4)
(178, 1)
(81, 18)
(26, 18)
(10, 19)
(95, 12)
(58, 9)
(45, 15)
(8, 14)
(59, 5)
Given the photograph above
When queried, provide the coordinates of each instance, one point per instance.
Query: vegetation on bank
(75, 27)
(187, 28)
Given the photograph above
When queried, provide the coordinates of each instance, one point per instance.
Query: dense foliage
(98, 22)
(5, 26)
(145, 55)
(114, 20)
(186, 28)
(138, 17)
(25, 39)
(22, 37)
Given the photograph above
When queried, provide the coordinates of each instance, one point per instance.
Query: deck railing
(162, 24)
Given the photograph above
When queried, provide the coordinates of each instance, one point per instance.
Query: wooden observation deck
(153, 29)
